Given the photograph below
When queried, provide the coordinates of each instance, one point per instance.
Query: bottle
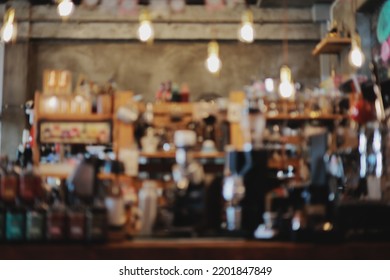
(14, 223)
(176, 97)
(9, 184)
(56, 219)
(15, 214)
(31, 194)
(35, 222)
(2, 222)
(97, 222)
(76, 222)
(160, 93)
(29, 185)
(168, 92)
(115, 206)
(148, 206)
(184, 93)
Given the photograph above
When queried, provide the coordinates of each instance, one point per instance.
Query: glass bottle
(14, 223)
(9, 184)
(76, 222)
(97, 222)
(2, 222)
(35, 222)
(15, 214)
(56, 219)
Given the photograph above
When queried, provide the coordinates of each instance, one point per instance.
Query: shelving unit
(121, 134)
(331, 45)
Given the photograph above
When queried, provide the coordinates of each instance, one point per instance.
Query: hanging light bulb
(356, 55)
(246, 33)
(65, 8)
(269, 85)
(9, 28)
(213, 62)
(145, 29)
(286, 87)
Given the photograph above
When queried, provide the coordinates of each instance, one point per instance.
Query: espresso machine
(247, 177)
(188, 204)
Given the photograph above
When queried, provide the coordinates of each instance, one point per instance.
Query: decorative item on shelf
(128, 113)
(80, 105)
(184, 93)
(145, 30)
(333, 29)
(213, 62)
(109, 6)
(9, 28)
(149, 142)
(246, 32)
(214, 5)
(90, 4)
(49, 104)
(177, 6)
(128, 7)
(159, 8)
(65, 8)
(57, 82)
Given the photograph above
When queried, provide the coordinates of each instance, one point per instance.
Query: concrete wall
(142, 68)
(14, 96)
(103, 46)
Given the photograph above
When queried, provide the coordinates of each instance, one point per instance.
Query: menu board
(75, 132)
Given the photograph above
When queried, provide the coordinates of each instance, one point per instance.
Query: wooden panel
(168, 31)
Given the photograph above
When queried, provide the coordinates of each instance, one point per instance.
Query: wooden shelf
(162, 154)
(305, 117)
(75, 117)
(331, 45)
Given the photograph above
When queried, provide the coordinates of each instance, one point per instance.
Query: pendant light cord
(285, 32)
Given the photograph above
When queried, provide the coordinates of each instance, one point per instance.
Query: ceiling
(261, 3)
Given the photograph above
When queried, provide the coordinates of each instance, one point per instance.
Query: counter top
(197, 249)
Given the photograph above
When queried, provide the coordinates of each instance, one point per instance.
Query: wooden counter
(197, 249)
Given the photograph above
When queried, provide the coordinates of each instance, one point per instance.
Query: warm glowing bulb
(286, 89)
(65, 8)
(356, 57)
(145, 31)
(213, 63)
(246, 33)
(269, 85)
(7, 32)
(285, 74)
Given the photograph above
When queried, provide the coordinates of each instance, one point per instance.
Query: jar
(148, 206)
